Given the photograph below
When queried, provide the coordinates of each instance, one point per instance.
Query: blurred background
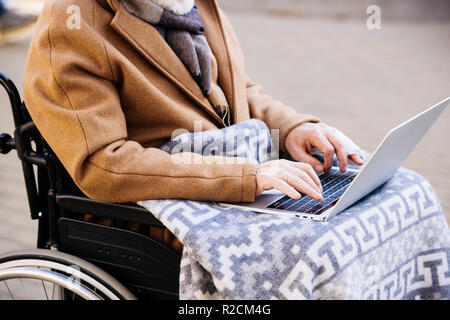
(320, 56)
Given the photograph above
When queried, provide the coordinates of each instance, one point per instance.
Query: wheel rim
(68, 277)
(48, 276)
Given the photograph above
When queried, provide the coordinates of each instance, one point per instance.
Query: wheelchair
(75, 258)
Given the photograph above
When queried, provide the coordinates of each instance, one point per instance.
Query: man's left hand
(328, 140)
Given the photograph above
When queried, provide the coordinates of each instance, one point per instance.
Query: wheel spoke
(53, 291)
(45, 290)
(23, 287)
(9, 291)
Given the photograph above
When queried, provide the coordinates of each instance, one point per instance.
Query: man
(108, 81)
(14, 24)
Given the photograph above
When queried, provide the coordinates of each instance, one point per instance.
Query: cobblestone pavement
(363, 82)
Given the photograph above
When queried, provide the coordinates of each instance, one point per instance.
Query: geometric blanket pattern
(392, 244)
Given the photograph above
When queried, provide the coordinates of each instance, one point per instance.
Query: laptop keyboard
(334, 185)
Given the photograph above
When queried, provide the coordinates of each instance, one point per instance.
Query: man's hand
(301, 140)
(289, 177)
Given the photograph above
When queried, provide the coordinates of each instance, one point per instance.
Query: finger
(356, 158)
(339, 149)
(304, 187)
(301, 155)
(327, 149)
(284, 187)
(309, 173)
(305, 177)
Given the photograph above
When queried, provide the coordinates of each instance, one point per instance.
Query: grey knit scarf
(185, 34)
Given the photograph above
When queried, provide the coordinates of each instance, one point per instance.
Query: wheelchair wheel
(51, 275)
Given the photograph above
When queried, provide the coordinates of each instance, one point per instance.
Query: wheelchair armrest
(124, 211)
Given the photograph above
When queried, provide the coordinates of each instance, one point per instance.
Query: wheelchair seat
(149, 269)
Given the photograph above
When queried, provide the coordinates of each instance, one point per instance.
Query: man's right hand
(290, 178)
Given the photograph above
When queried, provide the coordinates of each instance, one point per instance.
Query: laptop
(341, 190)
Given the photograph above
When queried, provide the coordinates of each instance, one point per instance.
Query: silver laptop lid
(389, 156)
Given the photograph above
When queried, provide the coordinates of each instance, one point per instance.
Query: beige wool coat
(105, 94)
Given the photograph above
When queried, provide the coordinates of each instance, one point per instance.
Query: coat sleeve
(70, 94)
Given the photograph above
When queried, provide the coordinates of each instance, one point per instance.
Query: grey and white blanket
(392, 244)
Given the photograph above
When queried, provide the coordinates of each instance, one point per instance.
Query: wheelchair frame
(146, 267)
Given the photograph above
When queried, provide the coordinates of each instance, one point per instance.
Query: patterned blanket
(392, 244)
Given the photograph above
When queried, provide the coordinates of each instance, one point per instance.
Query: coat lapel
(215, 34)
(138, 34)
